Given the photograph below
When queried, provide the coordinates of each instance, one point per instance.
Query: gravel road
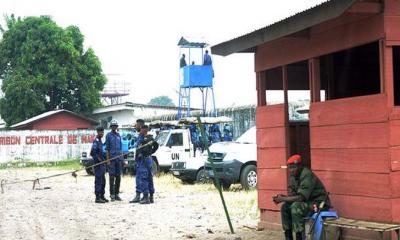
(67, 211)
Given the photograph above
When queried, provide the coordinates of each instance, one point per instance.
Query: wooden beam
(315, 80)
(261, 88)
(387, 54)
(286, 112)
(366, 7)
(286, 104)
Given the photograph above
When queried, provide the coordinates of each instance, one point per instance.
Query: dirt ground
(67, 210)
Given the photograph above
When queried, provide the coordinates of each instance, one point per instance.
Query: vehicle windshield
(162, 137)
(248, 137)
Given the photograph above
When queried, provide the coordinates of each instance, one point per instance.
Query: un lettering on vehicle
(175, 156)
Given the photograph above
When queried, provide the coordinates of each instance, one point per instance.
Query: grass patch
(241, 204)
(69, 164)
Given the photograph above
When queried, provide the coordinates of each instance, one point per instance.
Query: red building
(346, 53)
(56, 120)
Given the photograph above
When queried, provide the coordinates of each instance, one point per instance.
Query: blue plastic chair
(319, 222)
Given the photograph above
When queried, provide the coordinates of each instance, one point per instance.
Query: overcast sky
(136, 41)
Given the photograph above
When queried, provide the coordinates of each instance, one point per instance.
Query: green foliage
(162, 101)
(68, 164)
(45, 67)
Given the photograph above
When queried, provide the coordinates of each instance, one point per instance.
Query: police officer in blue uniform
(194, 136)
(100, 170)
(138, 141)
(215, 133)
(227, 133)
(114, 151)
(146, 147)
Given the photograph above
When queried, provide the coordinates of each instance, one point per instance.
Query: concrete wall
(32, 145)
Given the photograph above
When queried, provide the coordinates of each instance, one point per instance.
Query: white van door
(179, 148)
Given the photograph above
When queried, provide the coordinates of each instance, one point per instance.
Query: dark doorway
(396, 75)
(299, 128)
(299, 133)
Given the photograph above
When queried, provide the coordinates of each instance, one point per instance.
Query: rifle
(320, 207)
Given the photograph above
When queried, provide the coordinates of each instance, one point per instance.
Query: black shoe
(288, 235)
(105, 199)
(112, 197)
(151, 198)
(99, 200)
(117, 198)
(145, 200)
(136, 199)
(299, 236)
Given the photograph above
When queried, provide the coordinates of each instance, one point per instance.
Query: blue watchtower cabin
(194, 76)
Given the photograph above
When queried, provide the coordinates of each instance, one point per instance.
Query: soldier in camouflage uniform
(304, 190)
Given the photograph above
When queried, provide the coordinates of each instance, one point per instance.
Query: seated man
(304, 190)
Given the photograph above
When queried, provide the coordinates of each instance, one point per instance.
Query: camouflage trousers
(293, 215)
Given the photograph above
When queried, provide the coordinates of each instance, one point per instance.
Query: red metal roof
(298, 22)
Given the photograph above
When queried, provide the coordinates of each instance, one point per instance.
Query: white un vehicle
(189, 164)
(235, 162)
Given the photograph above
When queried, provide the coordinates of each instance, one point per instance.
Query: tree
(45, 67)
(162, 101)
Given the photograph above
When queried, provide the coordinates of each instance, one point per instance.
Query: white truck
(177, 154)
(235, 162)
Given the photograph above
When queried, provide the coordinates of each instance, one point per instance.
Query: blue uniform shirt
(114, 143)
(207, 59)
(97, 150)
(139, 141)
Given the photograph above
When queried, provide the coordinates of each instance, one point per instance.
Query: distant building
(56, 120)
(127, 113)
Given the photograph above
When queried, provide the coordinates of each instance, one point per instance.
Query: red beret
(295, 159)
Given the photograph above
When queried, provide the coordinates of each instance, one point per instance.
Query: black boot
(288, 235)
(104, 199)
(151, 198)
(99, 200)
(117, 184)
(145, 199)
(299, 236)
(136, 199)
(112, 188)
(117, 198)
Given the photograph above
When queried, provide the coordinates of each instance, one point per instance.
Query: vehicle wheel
(201, 176)
(248, 178)
(224, 184)
(90, 171)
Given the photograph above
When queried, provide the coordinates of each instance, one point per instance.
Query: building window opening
(298, 91)
(352, 72)
(274, 86)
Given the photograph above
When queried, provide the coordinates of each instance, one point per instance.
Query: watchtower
(194, 76)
